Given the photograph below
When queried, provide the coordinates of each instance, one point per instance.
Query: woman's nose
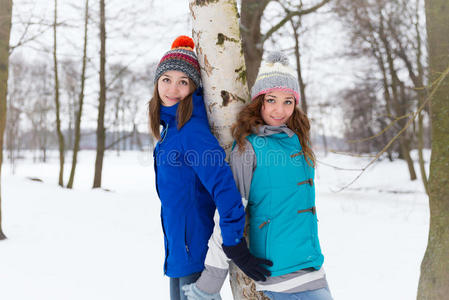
(277, 107)
(173, 88)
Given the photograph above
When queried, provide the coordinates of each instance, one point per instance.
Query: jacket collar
(168, 113)
(267, 130)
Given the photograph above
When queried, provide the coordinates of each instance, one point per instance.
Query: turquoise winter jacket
(281, 205)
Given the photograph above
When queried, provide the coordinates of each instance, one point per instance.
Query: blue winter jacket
(192, 179)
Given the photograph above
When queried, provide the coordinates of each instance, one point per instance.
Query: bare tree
(76, 144)
(296, 25)
(69, 86)
(17, 93)
(411, 52)
(362, 116)
(117, 94)
(377, 30)
(41, 105)
(101, 136)
(253, 39)
(434, 279)
(124, 105)
(5, 30)
(57, 104)
(30, 108)
(321, 125)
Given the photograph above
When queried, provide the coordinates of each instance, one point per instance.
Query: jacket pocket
(290, 241)
(259, 228)
(306, 237)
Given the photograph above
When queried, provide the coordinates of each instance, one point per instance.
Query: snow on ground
(93, 244)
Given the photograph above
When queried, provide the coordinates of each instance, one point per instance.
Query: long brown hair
(183, 112)
(250, 117)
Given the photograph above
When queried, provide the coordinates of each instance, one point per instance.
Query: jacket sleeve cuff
(235, 250)
(211, 279)
(231, 241)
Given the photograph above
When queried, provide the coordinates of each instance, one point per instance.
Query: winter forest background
(363, 69)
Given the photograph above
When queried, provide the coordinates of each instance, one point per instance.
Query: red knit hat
(181, 58)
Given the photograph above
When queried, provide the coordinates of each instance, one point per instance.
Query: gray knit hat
(275, 74)
(181, 58)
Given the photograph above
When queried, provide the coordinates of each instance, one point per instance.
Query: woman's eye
(270, 100)
(165, 80)
(288, 102)
(184, 82)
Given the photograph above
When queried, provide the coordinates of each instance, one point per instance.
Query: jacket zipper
(267, 222)
(164, 134)
(264, 223)
(185, 242)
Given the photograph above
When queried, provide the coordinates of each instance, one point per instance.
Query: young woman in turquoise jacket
(192, 177)
(273, 165)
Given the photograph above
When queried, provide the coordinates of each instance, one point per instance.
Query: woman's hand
(247, 262)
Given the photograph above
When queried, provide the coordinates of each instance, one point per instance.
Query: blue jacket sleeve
(207, 158)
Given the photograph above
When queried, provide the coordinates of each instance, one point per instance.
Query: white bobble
(277, 56)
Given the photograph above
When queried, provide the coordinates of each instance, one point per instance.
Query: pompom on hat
(180, 57)
(275, 74)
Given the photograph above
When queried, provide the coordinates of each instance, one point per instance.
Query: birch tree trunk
(217, 37)
(5, 30)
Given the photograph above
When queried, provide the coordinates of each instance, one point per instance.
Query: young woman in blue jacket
(273, 166)
(192, 177)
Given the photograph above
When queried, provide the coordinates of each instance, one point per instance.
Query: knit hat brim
(277, 88)
(180, 58)
(276, 74)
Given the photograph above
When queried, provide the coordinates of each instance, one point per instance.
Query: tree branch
(290, 15)
(437, 84)
(124, 137)
(382, 131)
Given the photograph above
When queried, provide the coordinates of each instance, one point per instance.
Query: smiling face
(277, 107)
(173, 87)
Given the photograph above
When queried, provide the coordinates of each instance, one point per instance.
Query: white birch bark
(216, 33)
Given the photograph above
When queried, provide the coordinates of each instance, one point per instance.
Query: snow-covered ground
(88, 244)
